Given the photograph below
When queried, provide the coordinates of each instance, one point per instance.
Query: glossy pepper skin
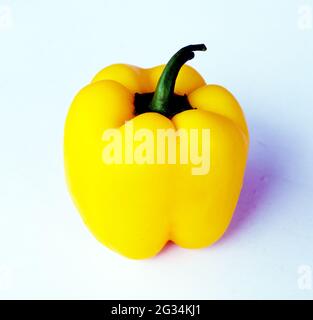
(135, 209)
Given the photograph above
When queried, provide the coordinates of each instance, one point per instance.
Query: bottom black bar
(151, 309)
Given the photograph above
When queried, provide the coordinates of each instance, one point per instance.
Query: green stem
(166, 84)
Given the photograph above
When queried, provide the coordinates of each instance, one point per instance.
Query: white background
(261, 50)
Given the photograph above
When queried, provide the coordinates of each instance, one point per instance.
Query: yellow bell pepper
(136, 208)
